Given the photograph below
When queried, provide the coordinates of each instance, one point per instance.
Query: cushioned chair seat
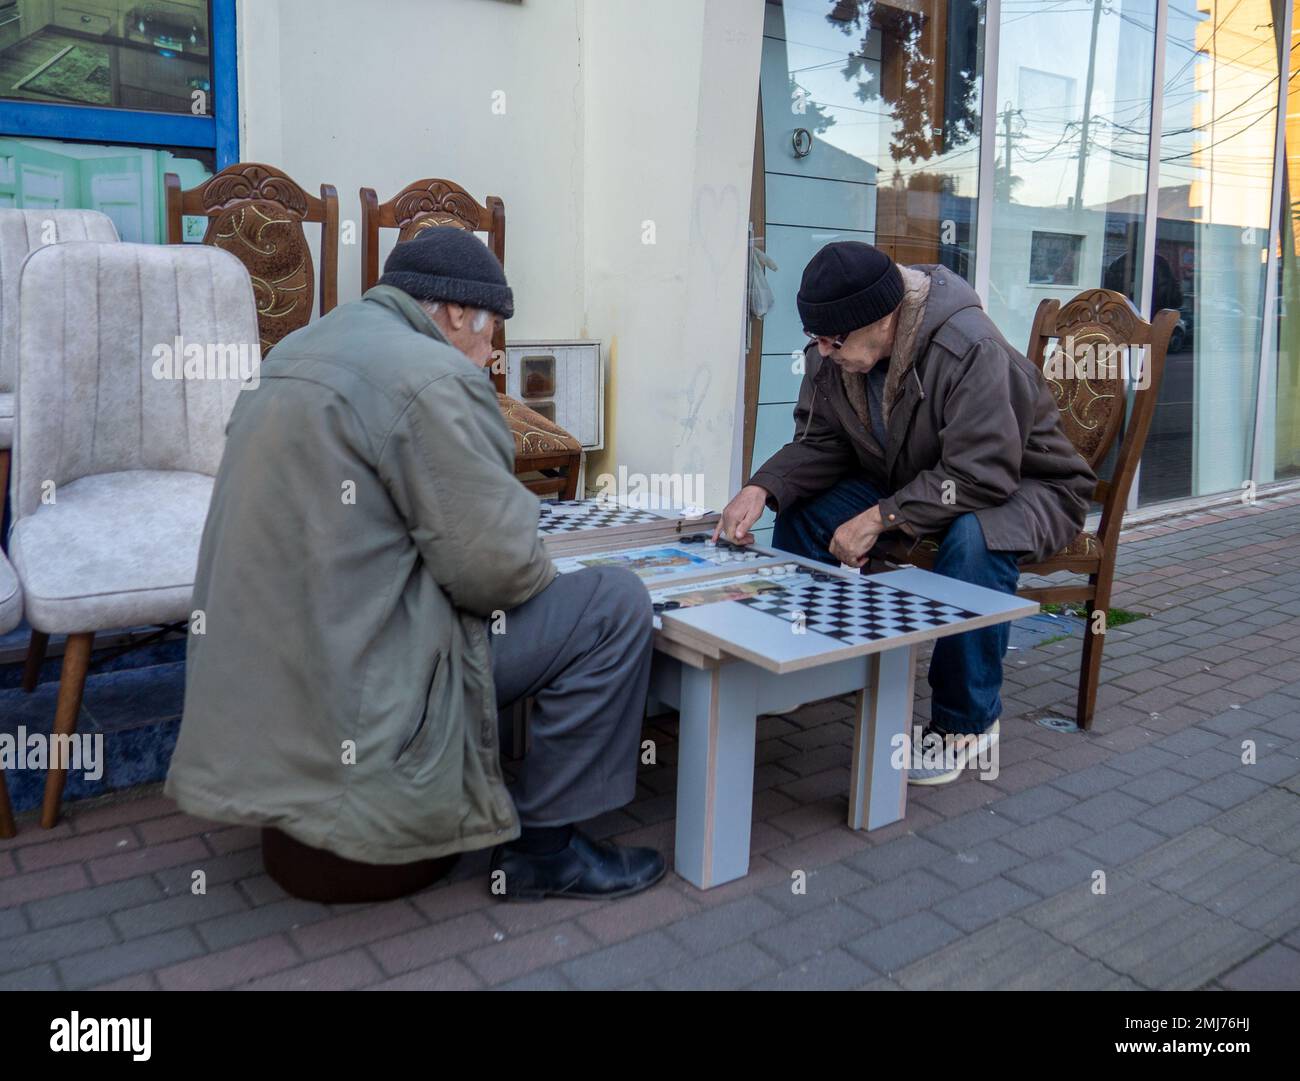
(113, 550)
(534, 435)
(1081, 556)
(6, 421)
(317, 875)
(11, 598)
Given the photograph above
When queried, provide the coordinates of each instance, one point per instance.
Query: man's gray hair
(480, 320)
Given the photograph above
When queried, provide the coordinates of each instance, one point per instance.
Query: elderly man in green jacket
(372, 588)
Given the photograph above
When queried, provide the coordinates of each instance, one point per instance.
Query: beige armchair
(115, 449)
(21, 232)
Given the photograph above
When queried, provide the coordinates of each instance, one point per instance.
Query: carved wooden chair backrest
(1092, 350)
(256, 212)
(421, 205)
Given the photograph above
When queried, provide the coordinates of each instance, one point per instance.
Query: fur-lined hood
(918, 320)
(911, 314)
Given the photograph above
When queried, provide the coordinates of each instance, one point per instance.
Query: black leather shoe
(586, 869)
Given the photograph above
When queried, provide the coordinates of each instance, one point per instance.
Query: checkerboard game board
(572, 516)
(854, 610)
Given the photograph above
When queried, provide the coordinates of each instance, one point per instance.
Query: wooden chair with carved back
(1091, 397)
(547, 458)
(256, 212)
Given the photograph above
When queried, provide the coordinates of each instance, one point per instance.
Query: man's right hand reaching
(741, 513)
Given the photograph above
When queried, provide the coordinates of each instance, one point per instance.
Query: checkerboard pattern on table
(854, 610)
(572, 516)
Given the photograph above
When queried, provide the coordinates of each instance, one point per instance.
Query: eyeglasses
(836, 341)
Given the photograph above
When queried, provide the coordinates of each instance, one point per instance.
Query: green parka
(365, 525)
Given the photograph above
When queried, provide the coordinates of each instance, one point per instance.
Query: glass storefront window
(1070, 171)
(151, 55)
(871, 130)
(124, 182)
(1216, 178)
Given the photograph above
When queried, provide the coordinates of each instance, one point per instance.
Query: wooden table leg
(878, 791)
(715, 773)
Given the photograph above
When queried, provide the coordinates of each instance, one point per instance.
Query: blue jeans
(966, 669)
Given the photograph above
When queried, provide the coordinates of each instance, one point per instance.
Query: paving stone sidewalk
(1161, 850)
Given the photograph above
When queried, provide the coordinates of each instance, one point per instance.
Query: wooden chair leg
(1090, 668)
(571, 471)
(35, 658)
(7, 827)
(76, 662)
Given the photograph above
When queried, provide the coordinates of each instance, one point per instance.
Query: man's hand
(741, 513)
(856, 537)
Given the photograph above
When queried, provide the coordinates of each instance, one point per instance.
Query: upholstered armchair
(547, 458)
(118, 439)
(22, 231)
(256, 212)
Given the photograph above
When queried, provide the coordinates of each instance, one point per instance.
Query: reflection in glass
(124, 182)
(1054, 258)
(1216, 174)
(125, 54)
(885, 99)
(1071, 163)
(537, 377)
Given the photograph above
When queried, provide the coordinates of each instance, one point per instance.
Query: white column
(988, 150)
(1151, 221)
(1263, 447)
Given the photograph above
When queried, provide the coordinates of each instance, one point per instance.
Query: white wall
(671, 105)
(616, 113)
(379, 95)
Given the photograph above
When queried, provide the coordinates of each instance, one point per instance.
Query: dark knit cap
(848, 285)
(450, 264)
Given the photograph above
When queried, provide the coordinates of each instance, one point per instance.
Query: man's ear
(456, 315)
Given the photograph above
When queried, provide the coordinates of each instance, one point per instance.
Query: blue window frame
(89, 123)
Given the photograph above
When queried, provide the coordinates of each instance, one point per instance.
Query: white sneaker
(958, 750)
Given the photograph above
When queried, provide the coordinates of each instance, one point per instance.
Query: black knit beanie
(449, 264)
(848, 285)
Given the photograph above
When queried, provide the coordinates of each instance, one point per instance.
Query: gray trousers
(581, 650)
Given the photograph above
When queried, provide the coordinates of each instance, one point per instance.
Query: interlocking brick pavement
(1160, 850)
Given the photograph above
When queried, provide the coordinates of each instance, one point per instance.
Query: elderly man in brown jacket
(926, 422)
